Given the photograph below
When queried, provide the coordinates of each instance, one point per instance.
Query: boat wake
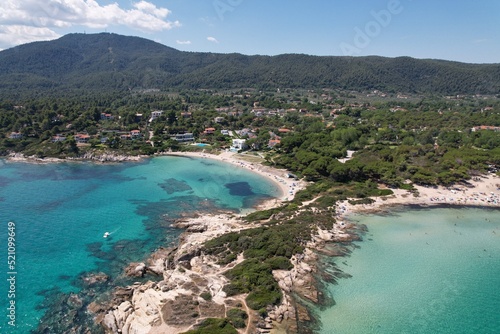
(107, 234)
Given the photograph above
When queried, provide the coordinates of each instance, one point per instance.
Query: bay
(62, 210)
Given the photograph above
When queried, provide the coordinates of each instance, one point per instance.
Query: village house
(15, 135)
(273, 135)
(273, 142)
(238, 145)
(209, 131)
(486, 127)
(219, 120)
(183, 137)
(82, 138)
(259, 111)
(398, 108)
(243, 132)
(135, 134)
(155, 114)
(58, 138)
(105, 116)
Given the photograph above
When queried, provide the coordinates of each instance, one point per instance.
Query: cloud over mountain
(23, 21)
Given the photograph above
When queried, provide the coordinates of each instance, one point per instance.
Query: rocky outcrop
(108, 157)
(93, 279)
(302, 280)
(97, 156)
(135, 269)
(191, 288)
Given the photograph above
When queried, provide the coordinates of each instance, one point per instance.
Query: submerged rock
(95, 278)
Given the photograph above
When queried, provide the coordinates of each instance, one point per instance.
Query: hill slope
(110, 62)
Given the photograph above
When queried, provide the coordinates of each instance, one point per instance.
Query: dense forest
(105, 62)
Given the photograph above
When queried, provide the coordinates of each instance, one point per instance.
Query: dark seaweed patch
(173, 185)
(239, 189)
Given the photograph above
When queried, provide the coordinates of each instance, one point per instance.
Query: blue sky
(467, 31)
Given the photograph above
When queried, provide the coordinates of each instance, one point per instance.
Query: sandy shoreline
(288, 187)
(483, 192)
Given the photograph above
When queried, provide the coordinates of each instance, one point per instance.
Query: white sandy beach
(484, 192)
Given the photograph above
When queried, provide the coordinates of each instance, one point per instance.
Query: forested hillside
(110, 62)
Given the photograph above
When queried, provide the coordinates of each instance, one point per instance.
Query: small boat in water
(106, 234)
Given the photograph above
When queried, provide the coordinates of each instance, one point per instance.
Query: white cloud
(183, 42)
(212, 39)
(44, 17)
(17, 34)
(480, 41)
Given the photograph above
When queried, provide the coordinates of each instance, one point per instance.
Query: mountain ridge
(112, 62)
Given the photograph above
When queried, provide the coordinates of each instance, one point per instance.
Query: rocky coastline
(101, 157)
(189, 283)
(186, 273)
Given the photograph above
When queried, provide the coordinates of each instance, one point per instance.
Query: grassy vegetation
(237, 317)
(265, 248)
(206, 295)
(214, 326)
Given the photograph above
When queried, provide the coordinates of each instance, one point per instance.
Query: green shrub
(361, 201)
(256, 277)
(262, 215)
(233, 289)
(260, 298)
(237, 317)
(279, 262)
(406, 186)
(384, 192)
(214, 326)
(206, 295)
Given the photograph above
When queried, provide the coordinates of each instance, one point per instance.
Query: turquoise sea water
(62, 210)
(420, 271)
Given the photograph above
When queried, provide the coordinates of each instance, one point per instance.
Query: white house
(239, 144)
(155, 114)
(15, 135)
(183, 137)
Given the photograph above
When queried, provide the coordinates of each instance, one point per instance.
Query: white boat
(106, 234)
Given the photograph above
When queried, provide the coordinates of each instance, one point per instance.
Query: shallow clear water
(62, 210)
(420, 271)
